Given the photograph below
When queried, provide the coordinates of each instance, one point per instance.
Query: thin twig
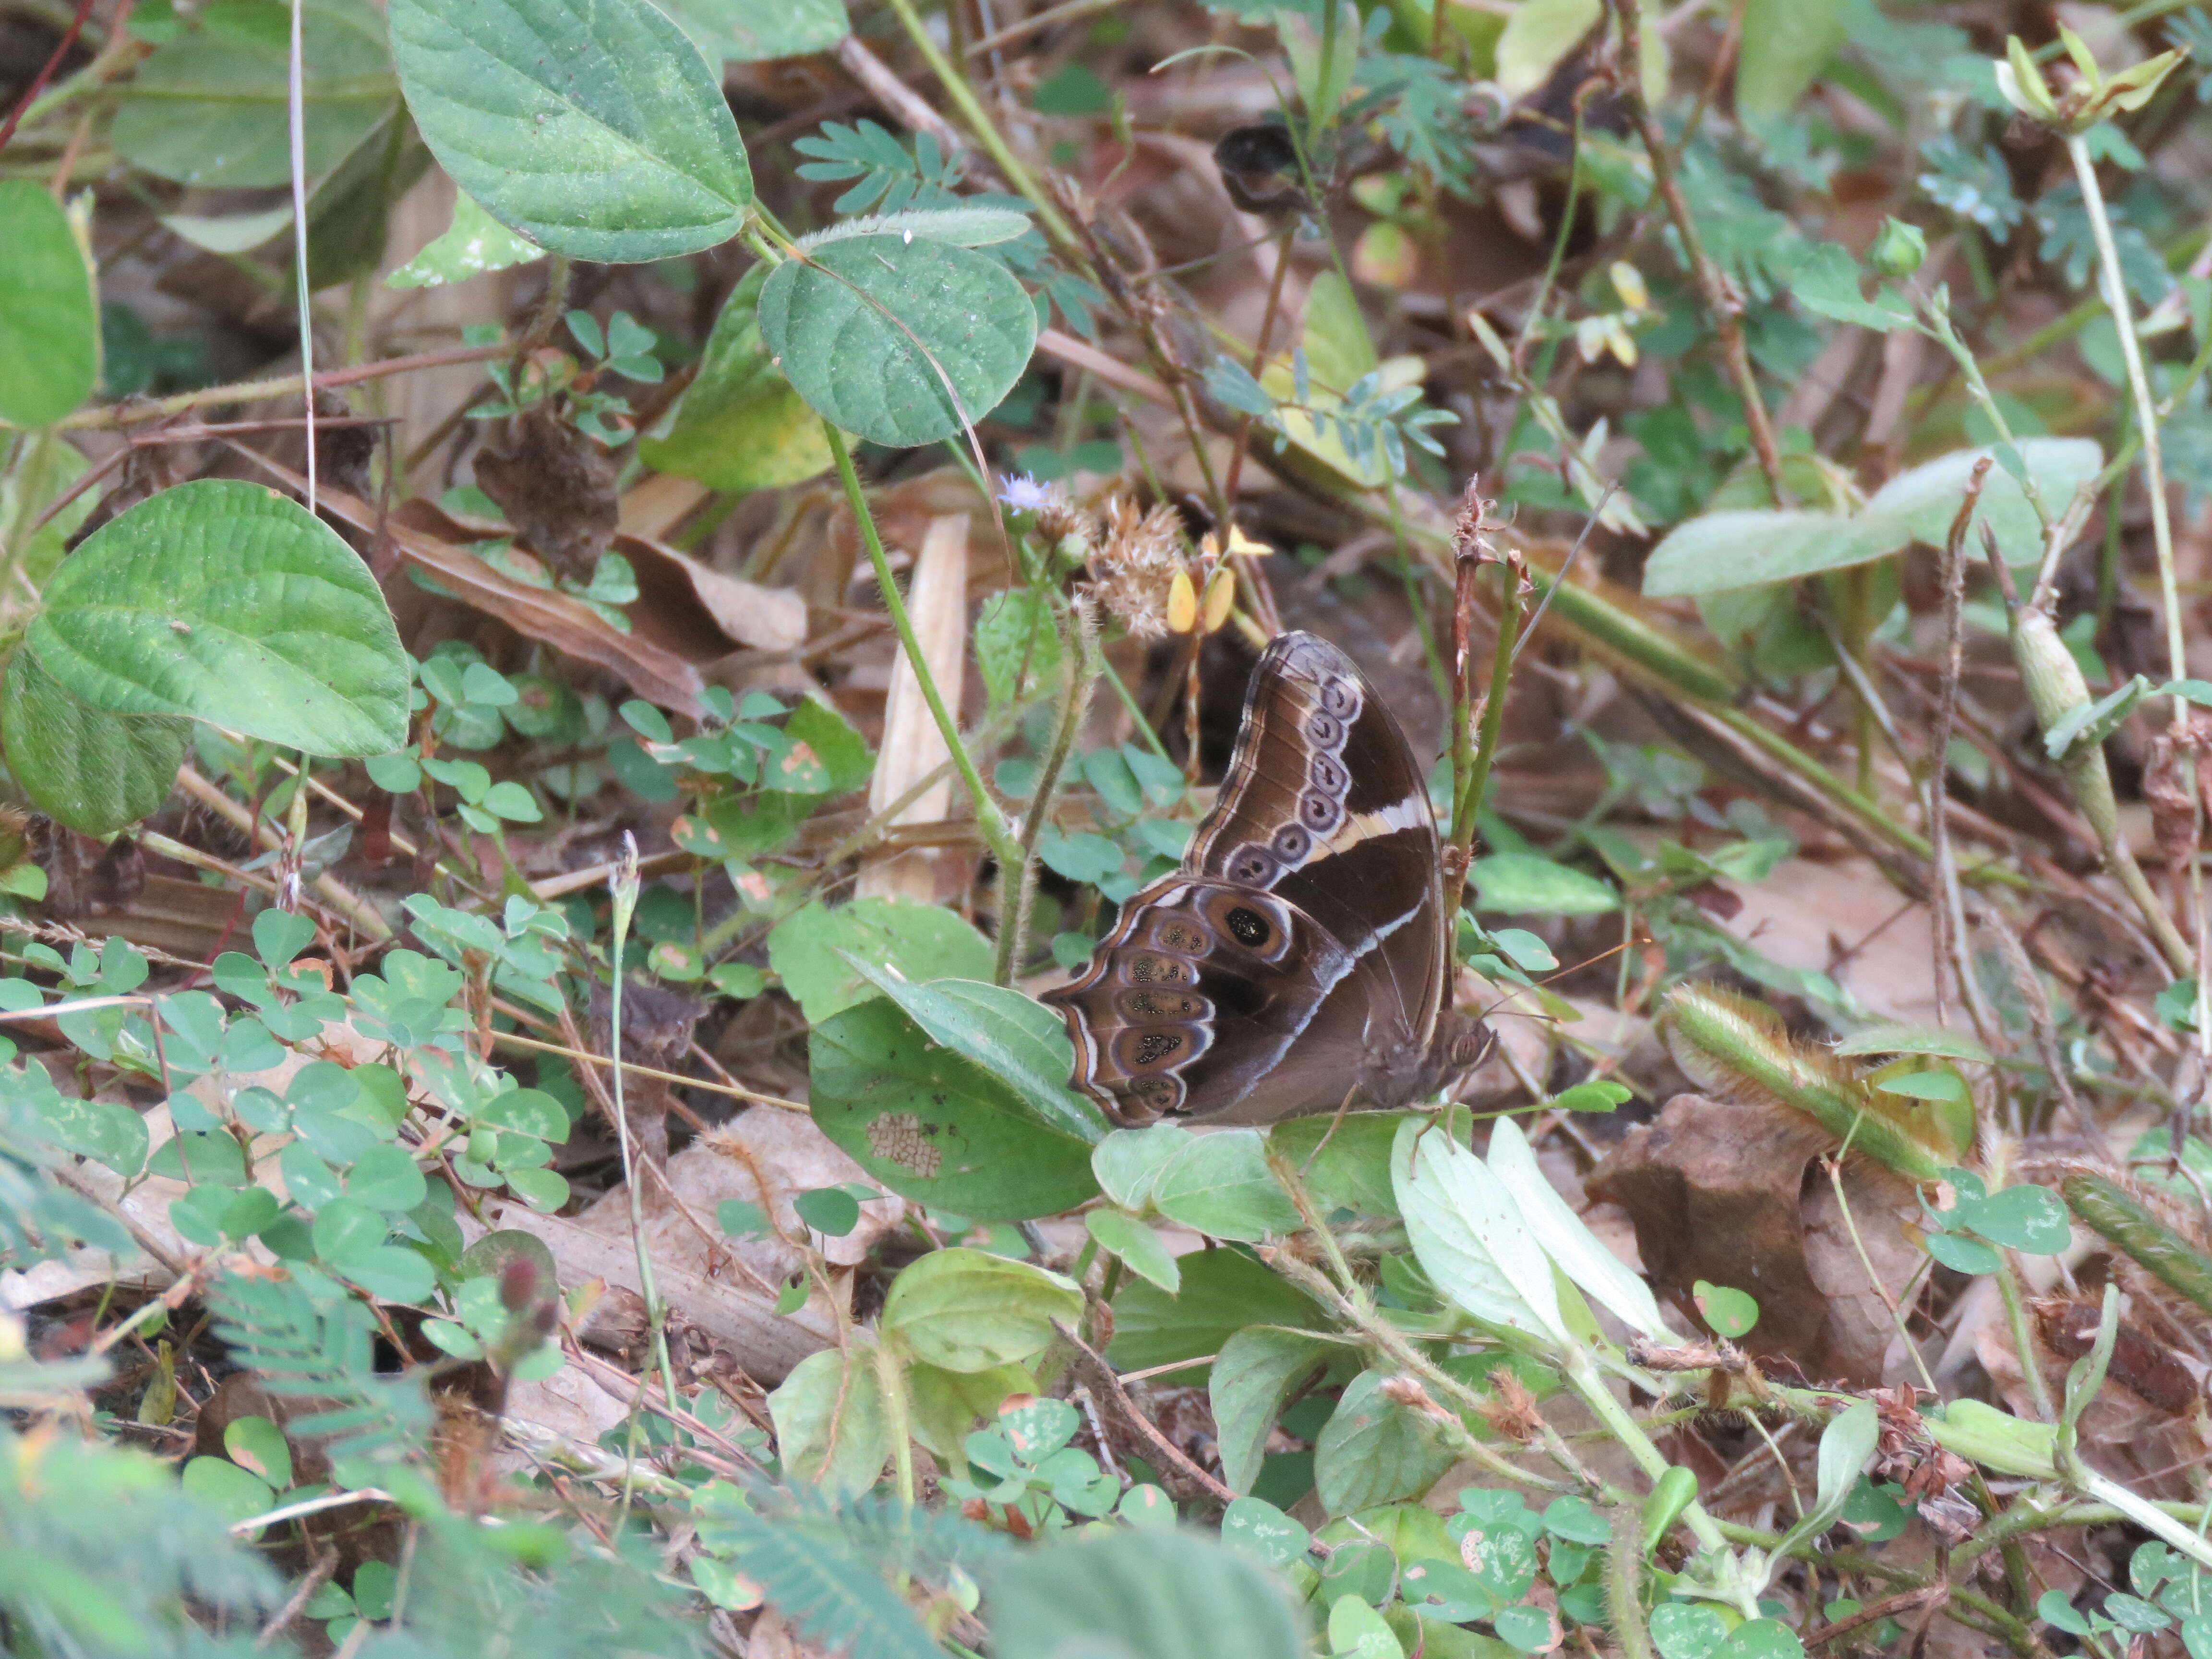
(1721, 300)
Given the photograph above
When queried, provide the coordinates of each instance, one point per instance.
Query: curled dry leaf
(1716, 1190)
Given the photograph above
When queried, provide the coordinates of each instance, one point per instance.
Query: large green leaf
(596, 131)
(1219, 1184)
(226, 601)
(209, 107)
(1223, 1292)
(1021, 1042)
(830, 1425)
(1926, 498)
(903, 341)
(750, 31)
(969, 1310)
(739, 426)
(1752, 547)
(49, 324)
(937, 1129)
(92, 771)
(1253, 1377)
(812, 949)
(1161, 1594)
(1784, 45)
(1374, 1450)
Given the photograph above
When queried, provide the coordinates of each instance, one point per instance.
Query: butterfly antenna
(1561, 973)
(1545, 604)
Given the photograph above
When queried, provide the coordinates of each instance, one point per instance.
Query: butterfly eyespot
(1251, 867)
(1156, 1045)
(1249, 926)
(1328, 774)
(1293, 843)
(1153, 1005)
(1324, 729)
(1180, 936)
(1159, 1094)
(1318, 812)
(1339, 697)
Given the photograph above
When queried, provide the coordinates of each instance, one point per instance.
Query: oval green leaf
(969, 1310)
(209, 108)
(223, 601)
(1219, 1184)
(49, 329)
(739, 426)
(598, 131)
(92, 771)
(903, 341)
(934, 1128)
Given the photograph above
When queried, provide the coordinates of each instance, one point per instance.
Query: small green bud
(1899, 249)
(483, 1143)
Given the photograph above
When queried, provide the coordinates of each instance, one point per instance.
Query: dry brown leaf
(1716, 1192)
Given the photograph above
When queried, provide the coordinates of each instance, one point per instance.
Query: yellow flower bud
(1220, 594)
(1182, 603)
(1628, 282)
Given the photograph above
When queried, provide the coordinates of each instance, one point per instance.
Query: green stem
(987, 132)
(890, 1377)
(2008, 1277)
(1078, 638)
(988, 819)
(1469, 784)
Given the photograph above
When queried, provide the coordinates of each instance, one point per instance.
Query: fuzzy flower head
(1134, 567)
(1025, 495)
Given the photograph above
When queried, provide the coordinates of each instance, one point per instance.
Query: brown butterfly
(1297, 961)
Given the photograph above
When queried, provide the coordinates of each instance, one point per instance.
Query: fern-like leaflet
(319, 1346)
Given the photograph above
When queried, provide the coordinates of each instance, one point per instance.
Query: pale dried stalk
(912, 747)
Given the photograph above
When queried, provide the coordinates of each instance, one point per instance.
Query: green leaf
(1129, 1161)
(1223, 1291)
(2024, 1217)
(1522, 884)
(2087, 724)
(809, 950)
(1846, 1444)
(1927, 497)
(1345, 1162)
(752, 31)
(93, 771)
(1140, 1249)
(49, 321)
(1467, 1234)
(1754, 546)
(956, 227)
(1686, 1630)
(969, 1310)
(1219, 1184)
(1929, 1040)
(1373, 1450)
(1731, 1313)
(738, 426)
(1165, 1595)
(1829, 283)
(828, 1210)
(597, 131)
(830, 1425)
(1019, 1041)
(1925, 1085)
(1784, 46)
(106, 1131)
(209, 108)
(1257, 1526)
(1255, 1374)
(1538, 36)
(257, 1444)
(1565, 1238)
(226, 601)
(473, 244)
(934, 1128)
(230, 1491)
(902, 342)
(1016, 644)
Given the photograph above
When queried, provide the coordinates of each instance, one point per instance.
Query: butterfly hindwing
(1296, 959)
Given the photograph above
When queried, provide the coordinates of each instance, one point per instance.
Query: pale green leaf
(49, 326)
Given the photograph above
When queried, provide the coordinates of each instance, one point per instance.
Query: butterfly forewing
(1303, 936)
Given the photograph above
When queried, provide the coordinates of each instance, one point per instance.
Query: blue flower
(1025, 495)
